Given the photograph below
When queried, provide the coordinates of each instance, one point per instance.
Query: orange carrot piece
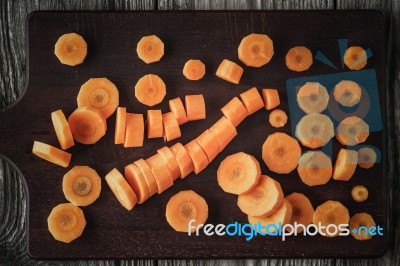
(182, 157)
(208, 143)
(148, 175)
(195, 107)
(198, 156)
(134, 133)
(224, 132)
(120, 126)
(171, 127)
(194, 69)
(235, 111)
(160, 171)
(121, 189)
(51, 154)
(154, 124)
(252, 100)
(229, 71)
(137, 182)
(172, 164)
(271, 98)
(176, 106)
(63, 132)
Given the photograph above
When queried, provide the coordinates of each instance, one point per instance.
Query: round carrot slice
(194, 69)
(330, 213)
(256, 50)
(263, 200)
(359, 193)
(150, 90)
(186, 206)
(299, 59)
(366, 157)
(238, 173)
(352, 131)
(71, 49)
(278, 118)
(359, 225)
(312, 98)
(314, 130)
(121, 189)
(355, 58)
(315, 168)
(347, 93)
(150, 49)
(302, 210)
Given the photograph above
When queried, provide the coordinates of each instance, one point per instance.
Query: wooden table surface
(12, 79)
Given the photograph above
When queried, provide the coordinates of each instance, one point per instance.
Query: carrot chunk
(271, 98)
(154, 124)
(171, 127)
(195, 107)
(134, 133)
(121, 189)
(224, 132)
(235, 111)
(148, 175)
(172, 164)
(229, 71)
(252, 100)
(63, 132)
(159, 169)
(51, 154)
(137, 182)
(198, 156)
(182, 157)
(120, 126)
(176, 106)
(194, 69)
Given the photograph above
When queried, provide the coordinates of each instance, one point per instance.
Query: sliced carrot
(355, 58)
(263, 200)
(229, 71)
(99, 93)
(271, 98)
(235, 111)
(198, 156)
(366, 157)
(87, 125)
(155, 127)
(171, 127)
(63, 132)
(176, 106)
(330, 212)
(281, 153)
(184, 207)
(182, 157)
(137, 182)
(302, 210)
(134, 134)
(256, 50)
(281, 216)
(345, 165)
(278, 118)
(359, 193)
(172, 164)
(360, 224)
(51, 154)
(159, 169)
(150, 90)
(121, 189)
(120, 126)
(195, 107)
(252, 100)
(150, 49)
(299, 58)
(224, 132)
(352, 131)
(194, 69)
(347, 93)
(208, 143)
(315, 168)
(71, 49)
(312, 97)
(148, 175)
(238, 173)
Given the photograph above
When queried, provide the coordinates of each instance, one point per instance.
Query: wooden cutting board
(113, 232)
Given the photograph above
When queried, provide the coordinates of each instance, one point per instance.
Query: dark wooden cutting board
(113, 232)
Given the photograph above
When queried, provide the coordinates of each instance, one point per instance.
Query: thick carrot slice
(355, 58)
(99, 93)
(315, 168)
(281, 153)
(176, 106)
(184, 207)
(363, 220)
(81, 185)
(159, 169)
(263, 200)
(299, 59)
(137, 182)
(347, 93)
(359, 193)
(172, 164)
(121, 189)
(150, 49)
(278, 118)
(366, 157)
(171, 127)
(229, 71)
(330, 212)
(302, 210)
(198, 156)
(155, 127)
(345, 165)
(148, 175)
(63, 132)
(238, 173)
(271, 98)
(195, 107)
(281, 216)
(120, 126)
(256, 50)
(207, 142)
(51, 154)
(182, 157)
(235, 111)
(252, 100)
(71, 49)
(224, 132)
(150, 90)
(352, 131)
(194, 69)
(134, 134)
(87, 125)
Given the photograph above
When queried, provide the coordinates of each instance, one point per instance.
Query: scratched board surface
(113, 232)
